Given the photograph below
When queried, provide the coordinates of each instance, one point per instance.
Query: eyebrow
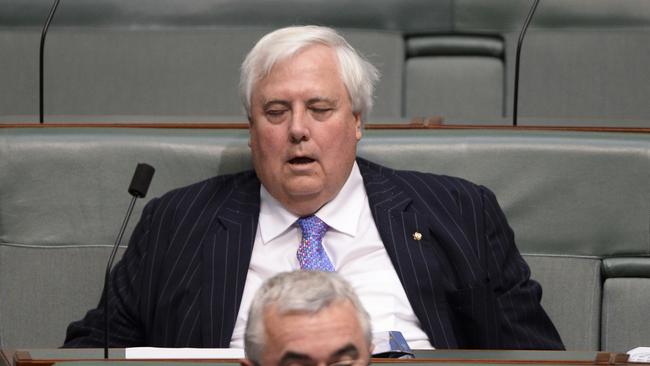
(349, 349)
(293, 356)
(310, 101)
(322, 99)
(269, 103)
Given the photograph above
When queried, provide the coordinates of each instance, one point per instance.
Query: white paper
(639, 354)
(183, 353)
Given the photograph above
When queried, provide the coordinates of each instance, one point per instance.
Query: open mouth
(301, 160)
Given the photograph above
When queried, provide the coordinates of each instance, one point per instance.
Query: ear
(358, 125)
(250, 129)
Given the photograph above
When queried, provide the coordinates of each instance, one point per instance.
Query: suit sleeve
(126, 329)
(522, 322)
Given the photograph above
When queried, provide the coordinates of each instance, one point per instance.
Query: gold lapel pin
(417, 236)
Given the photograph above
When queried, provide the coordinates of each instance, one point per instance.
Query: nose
(299, 126)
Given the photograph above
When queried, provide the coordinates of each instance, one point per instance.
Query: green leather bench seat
(583, 63)
(473, 64)
(143, 75)
(625, 301)
(579, 204)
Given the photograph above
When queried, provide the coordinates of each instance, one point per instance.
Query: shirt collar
(274, 218)
(341, 214)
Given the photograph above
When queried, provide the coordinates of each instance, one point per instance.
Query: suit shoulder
(422, 183)
(203, 192)
(440, 181)
(216, 183)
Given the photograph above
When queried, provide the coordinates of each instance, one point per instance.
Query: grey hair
(359, 76)
(299, 291)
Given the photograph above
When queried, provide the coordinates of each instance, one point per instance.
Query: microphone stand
(107, 276)
(518, 57)
(41, 52)
(137, 189)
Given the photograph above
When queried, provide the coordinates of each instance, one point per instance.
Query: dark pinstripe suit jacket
(181, 279)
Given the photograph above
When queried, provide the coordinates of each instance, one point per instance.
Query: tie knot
(312, 226)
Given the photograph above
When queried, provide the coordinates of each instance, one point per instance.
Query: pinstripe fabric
(181, 279)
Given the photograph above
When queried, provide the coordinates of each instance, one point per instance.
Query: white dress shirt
(353, 245)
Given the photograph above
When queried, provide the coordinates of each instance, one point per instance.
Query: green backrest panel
(570, 193)
(570, 283)
(626, 300)
(402, 15)
(596, 77)
(576, 196)
(134, 75)
(442, 70)
(475, 78)
(410, 16)
(56, 181)
(584, 61)
(508, 15)
(44, 288)
(584, 194)
(625, 313)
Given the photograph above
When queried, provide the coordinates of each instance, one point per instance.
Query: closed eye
(275, 115)
(321, 110)
(321, 114)
(275, 112)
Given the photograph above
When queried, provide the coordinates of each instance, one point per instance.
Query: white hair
(299, 291)
(359, 76)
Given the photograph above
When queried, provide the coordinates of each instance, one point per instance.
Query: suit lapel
(226, 258)
(407, 236)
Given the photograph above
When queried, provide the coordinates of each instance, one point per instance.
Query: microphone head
(141, 180)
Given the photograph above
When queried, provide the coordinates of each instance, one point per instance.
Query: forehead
(316, 334)
(316, 55)
(313, 69)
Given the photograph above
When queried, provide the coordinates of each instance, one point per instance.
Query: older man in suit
(307, 318)
(430, 256)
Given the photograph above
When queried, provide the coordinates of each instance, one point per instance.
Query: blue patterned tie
(311, 254)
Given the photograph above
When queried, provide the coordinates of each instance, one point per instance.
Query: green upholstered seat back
(584, 61)
(572, 198)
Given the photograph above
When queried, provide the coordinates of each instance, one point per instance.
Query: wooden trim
(602, 358)
(538, 128)
(207, 126)
(392, 126)
(7, 357)
(23, 358)
(23, 355)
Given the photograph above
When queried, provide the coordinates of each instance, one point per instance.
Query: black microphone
(138, 189)
(41, 52)
(529, 17)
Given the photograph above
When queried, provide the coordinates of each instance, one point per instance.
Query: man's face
(303, 133)
(330, 336)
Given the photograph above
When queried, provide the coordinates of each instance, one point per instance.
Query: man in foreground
(307, 318)
(430, 256)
